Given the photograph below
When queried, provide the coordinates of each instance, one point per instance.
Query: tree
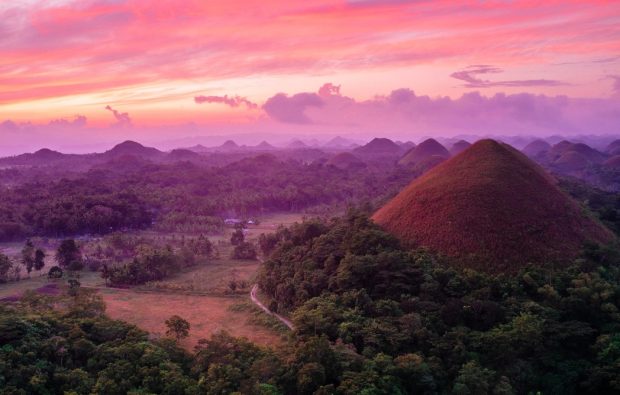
(28, 256)
(268, 242)
(74, 286)
(16, 271)
(232, 284)
(244, 250)
(105, 273)
(75, 266)
(39, 259)
(67, 253)
(5, 267)
(237, 237)
(473, 379)
(202, 246)
(54, 272)
(177, 327)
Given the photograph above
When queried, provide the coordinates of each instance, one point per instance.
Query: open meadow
(200, 294)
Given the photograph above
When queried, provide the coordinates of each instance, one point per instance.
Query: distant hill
(536, 148)
(346, 160)
(571, 161)
(379, 146)
(339, 142)
(490, 208)
(613, 162)
(44, 156)
(564, 147)
(613, 148)
(183, 154)
(264, 146)
(296, 144)
(459, 147)
(427, 150)
(198, 148)
(228, 145)
(132, 148)
(407, 145)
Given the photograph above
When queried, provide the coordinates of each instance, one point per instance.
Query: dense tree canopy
(457, 331)
(182, 196)
(370, 318)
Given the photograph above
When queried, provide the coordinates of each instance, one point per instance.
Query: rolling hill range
(490, 208)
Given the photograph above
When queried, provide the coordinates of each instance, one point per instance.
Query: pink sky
(155, 70)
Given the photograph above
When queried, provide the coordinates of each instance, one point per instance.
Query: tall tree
(237, 237)
(39, 259)
(67, 253)
(28, 256)
(5, 267)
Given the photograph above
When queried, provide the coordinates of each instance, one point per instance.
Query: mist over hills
(574, 157)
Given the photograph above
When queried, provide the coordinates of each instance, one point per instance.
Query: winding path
(260, 304)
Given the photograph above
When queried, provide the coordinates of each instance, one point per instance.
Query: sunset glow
(61, 59)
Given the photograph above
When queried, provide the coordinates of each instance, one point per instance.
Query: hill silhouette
(564, 147)
(228, 145)
(199, 148)
(346, 160)
(264, 146)
(459, 147)
(425, 151)
(407, 145)
(613, 148)
(296, 144)
(339, 142)
(41, 157)
(490, 208)
(183, 154)
(536, 147)
(571, 161)
(379, 146)
(132, 148)
(613, 162)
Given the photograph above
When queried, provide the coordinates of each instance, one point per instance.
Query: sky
(81, 74)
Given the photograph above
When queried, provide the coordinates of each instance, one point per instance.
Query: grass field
(87, 279)
(211, 278)
(199, 294)
(206, 315)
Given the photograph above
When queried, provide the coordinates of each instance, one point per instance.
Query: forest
(369, 318)
(183, 196)
(462, 332)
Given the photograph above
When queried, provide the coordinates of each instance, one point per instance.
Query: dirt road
(257, 302)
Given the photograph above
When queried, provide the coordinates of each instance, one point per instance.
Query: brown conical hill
(427, 149)
(571, 161)
(490, 208)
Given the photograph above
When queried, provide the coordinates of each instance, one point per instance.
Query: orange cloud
(70, 48)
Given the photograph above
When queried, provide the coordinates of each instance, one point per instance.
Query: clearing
(200, 294)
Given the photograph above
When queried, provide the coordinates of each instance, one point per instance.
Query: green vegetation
(180, 197)
(414, 325)
(606, 205)
(369, 318)
(80, 351)
(177, 327)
